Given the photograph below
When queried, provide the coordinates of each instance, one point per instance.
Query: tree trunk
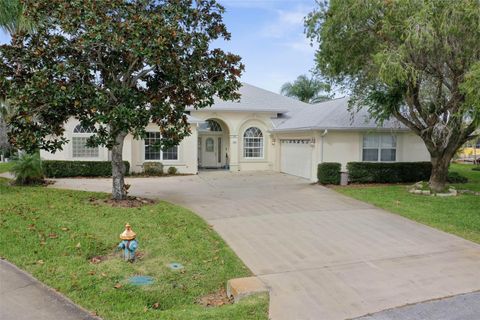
(438, 178)
(118, 169)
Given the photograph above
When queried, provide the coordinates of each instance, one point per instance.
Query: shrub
(329, 173)
(395, 172)
(455, 177)
(28, 169)
(476, 168)
(64, 169)
(153, 168)
(172, 171)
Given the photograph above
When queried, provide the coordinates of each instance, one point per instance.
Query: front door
(211, 152)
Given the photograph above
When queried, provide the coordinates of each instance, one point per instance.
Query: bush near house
(395, 172)
(153, 168)
(64, 169)
(329, 173)
(172, 171)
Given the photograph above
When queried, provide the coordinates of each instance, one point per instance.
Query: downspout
(323, 138)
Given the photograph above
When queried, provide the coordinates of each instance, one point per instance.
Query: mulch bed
(130, 202)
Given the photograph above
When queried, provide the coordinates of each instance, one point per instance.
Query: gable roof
(254, 99)
(334, 114)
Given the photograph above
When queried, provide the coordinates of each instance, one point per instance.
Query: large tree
(115, 65)
(415, 60)
(307, 89)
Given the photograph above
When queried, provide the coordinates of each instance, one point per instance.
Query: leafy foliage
(12, 18)
(118, 65)
(455, 177)
(329, 173)
(416, 60)
(153, 168)
(381, 172)
(64, 169)
(172, 171)
(28, 169)
(309, 90)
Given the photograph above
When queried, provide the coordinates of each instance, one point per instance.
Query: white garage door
(296, 157)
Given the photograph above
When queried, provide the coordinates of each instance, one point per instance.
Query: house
(263, 131)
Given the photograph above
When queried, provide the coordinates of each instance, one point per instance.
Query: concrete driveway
(324, 255)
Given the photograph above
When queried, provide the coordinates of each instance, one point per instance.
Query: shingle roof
(333, 114)
(258, 100)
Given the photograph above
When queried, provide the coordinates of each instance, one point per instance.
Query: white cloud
(287, 22)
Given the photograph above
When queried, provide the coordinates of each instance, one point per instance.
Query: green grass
(52, 234)
(466, 170)
(5, 166)
(458, 215)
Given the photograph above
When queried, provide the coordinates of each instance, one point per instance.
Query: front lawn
(458, 215)
(5, 166)
(53, 234)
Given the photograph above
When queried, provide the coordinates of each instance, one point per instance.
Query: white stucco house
(263, 131)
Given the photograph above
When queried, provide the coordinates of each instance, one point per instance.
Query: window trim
(262, 140)
(80, 132)
(144, 145)
(379, 147)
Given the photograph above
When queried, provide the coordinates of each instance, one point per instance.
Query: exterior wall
(237, 123)
(67, 152)
(187, 153)
(133, 151)
(346, 146)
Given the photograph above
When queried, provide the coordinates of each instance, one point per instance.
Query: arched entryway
(213, 145)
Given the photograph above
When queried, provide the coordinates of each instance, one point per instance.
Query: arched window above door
(211, 125)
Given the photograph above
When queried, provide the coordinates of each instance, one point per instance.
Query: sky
(268, 35)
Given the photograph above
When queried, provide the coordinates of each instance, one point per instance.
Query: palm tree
(12, 19)
(309, 90)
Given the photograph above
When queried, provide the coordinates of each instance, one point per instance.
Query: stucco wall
(346, 146)
(237, 124)
(67, 152)
(187, 153)
(133, 151)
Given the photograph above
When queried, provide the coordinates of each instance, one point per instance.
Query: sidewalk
(22, 297)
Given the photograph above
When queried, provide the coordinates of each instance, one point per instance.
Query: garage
(296, 157)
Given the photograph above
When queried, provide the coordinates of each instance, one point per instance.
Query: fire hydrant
(129, 244)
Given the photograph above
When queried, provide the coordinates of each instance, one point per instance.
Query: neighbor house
(263, 131)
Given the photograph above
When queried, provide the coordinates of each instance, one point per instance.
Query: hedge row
(329, 173)
(64, 169)
(395, 172)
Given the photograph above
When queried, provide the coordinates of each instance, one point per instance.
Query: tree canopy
(308, 90)
(415, 60)
(116, 65)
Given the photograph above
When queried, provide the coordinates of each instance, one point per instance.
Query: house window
(209, 145)
(153, 150)
(253, 143)
(79, 142)
(379, 147)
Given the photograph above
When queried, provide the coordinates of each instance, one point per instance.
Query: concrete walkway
(324, 255)
(25, 298)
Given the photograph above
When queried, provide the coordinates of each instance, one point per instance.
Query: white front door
(211, 152)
